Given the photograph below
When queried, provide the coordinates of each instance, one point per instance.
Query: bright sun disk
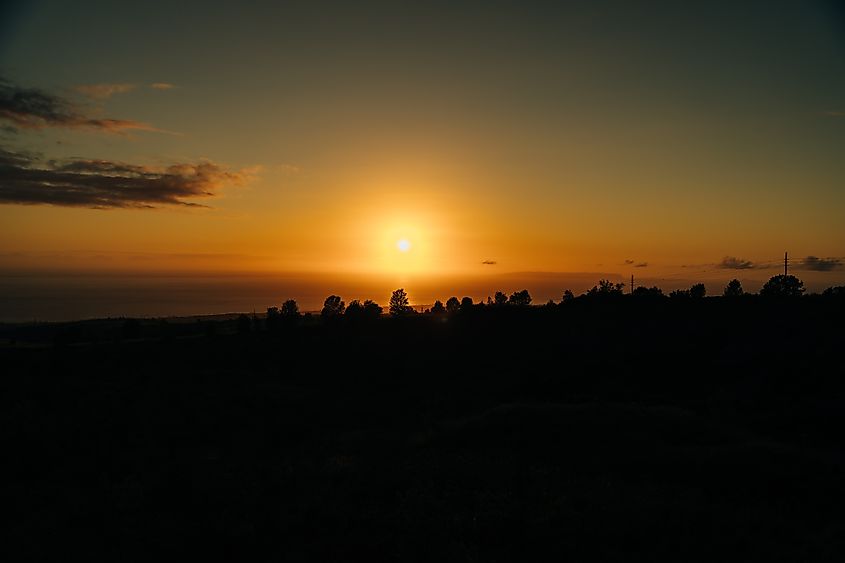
(403, 244)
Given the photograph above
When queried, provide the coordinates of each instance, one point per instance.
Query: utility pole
(632, 284)
(785, 263)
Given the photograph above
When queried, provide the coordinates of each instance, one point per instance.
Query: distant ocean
(26, 297)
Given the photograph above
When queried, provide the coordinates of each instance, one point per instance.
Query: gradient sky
(677, 140)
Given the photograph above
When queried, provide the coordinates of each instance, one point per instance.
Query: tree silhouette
(567, 296)
(783, 286)
(648, 292)
(606, 288)
(520, 298)
(500, 298)
(438, 308)
(399, 303)
(733, 289)
(332, 307)
(289, 309)
(453, 305)
(371, 309)
(354, 309)
(466, 304)
(697, 291)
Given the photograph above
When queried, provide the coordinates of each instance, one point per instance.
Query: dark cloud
(816, 264)
(102, 184)
(30, 108)
(489, 262)
(733, 263)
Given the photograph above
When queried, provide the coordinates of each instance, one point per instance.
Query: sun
(403, 244)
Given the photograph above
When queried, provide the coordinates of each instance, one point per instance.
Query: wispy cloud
(628, 262)
(816, 264)
(835, 113)
(100, 184)
(734, 263)
(104, 91)
(162, 86)
(31, 108)
(489, 262)
(641, 265)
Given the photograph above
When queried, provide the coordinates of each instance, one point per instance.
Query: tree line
(780, 287)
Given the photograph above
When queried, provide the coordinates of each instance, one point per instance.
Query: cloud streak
(104, 91)
(102, 184)
(816, 264)
(734, 263)
(31, 108)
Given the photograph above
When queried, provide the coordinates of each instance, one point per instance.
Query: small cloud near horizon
(162, 86)
(641, 265)
(816, 264)
(489, 262)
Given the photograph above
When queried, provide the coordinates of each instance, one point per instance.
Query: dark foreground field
(699, 431)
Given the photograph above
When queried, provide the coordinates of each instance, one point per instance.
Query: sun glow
(402, 244)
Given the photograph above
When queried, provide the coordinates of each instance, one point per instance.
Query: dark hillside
(603, 430)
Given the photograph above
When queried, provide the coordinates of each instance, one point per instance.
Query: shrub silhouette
(274, 318)
(453, 305)
(399, 303)
(837, 292)
(733, 289)
(438, 308)
(500, 298)
(466, 304)
(567, 296)
(332, 307)
(783, 286)
(244, 324)
(131, 328)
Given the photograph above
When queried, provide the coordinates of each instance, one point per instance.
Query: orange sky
(536, 139)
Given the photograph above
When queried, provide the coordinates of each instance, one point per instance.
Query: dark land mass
(596, 430)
